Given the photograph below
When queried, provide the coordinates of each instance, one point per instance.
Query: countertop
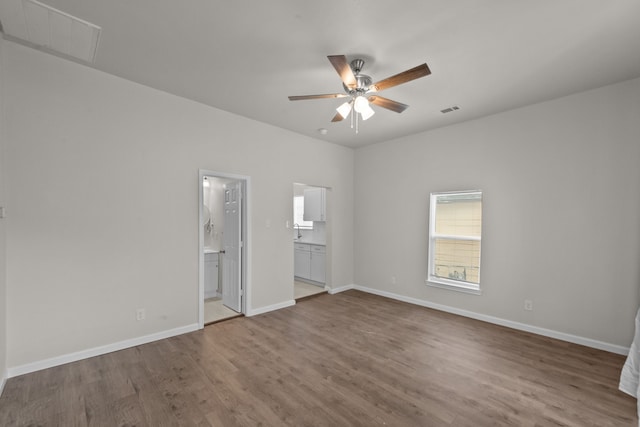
(309, 242)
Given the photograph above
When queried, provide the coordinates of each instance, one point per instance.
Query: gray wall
(103, 192)
(100, 180)
(560, 216)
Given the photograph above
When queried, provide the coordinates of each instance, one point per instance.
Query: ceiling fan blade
(404, 77)
(343, 68)
(337, 118)
(327, 95)
(388, 104)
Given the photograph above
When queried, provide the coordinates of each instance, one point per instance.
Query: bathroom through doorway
(222, 246)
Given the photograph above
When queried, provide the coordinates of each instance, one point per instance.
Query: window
(298, 213)
(455, 231)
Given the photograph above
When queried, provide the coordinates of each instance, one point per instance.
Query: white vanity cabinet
(315, 204)
(302, 260)
(317, 273)
(309, 262)
(210, 275)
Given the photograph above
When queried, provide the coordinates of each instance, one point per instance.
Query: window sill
(453, 287)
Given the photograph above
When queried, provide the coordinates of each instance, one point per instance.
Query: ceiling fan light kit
(344, 109)
(359, 88)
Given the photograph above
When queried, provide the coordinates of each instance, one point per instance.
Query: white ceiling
(246, 57)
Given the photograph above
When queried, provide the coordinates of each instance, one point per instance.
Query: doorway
(311, 240)
(223, 246)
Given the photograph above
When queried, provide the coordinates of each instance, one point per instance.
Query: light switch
(2, 212)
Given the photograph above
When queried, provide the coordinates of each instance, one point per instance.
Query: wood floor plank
(351, 359)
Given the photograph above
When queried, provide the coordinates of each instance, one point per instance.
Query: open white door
(232, 246)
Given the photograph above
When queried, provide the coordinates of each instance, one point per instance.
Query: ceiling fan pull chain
(355, 113)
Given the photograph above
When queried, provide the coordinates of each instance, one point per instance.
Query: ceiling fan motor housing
(362, 80)
(357, 65)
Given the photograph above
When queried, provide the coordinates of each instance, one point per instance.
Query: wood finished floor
(351, 359)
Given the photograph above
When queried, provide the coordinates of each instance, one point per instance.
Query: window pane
(455, 227)
(461, 216)
(457, 260)
(298, 213)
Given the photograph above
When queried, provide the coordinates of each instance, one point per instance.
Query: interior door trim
(246, 241)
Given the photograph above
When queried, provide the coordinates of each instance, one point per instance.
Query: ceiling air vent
(450, 109)
(60, 32)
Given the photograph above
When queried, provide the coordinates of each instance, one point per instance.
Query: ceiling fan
(362, 92)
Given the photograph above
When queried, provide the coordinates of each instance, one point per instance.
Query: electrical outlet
(528, 305)
(393, 280)
(140, 314)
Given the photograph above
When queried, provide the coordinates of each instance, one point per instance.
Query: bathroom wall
(213, 197)
(317, 235)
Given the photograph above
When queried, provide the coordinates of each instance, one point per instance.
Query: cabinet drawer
(318, 249)
(301, 247)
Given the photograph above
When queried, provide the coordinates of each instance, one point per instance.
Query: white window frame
(441, 282)
(304, 225)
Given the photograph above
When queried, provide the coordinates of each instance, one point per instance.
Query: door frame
(245, 254)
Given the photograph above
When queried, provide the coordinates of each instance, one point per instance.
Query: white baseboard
(269, 308)
(588, 342)
(97, 351)
(3, 381)
(339, 289)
